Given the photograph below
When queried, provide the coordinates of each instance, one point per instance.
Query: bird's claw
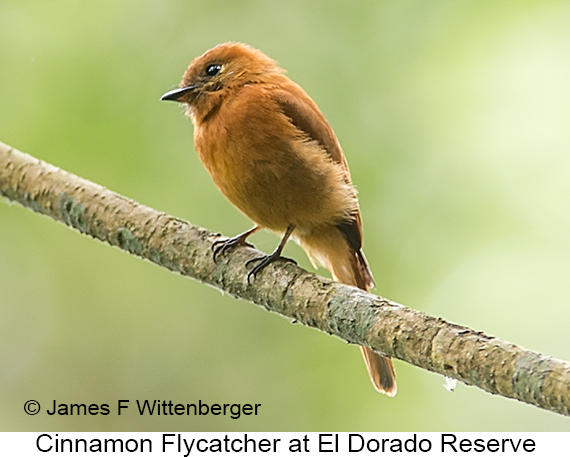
(263, 262)
(221, 246)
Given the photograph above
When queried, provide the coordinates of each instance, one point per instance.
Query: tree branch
(494, 365)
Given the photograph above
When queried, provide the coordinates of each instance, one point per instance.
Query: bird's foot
(263, 262)
(221, 246)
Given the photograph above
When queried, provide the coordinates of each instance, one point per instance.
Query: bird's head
(215, 73)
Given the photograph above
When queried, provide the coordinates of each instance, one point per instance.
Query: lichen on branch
(492, 364)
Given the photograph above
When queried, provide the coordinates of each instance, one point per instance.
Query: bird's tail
(350, 267)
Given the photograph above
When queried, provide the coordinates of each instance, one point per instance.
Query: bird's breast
(266, 167)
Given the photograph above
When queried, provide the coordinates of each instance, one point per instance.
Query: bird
(273, 155)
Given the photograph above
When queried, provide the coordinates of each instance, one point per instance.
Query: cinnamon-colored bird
(272, 153)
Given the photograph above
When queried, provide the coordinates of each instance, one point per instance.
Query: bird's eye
(213, 70)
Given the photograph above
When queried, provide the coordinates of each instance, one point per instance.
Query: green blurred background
(455, 118)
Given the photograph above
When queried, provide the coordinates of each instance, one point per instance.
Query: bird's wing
(306, 116)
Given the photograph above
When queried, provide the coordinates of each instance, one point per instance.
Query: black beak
(176, 94)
